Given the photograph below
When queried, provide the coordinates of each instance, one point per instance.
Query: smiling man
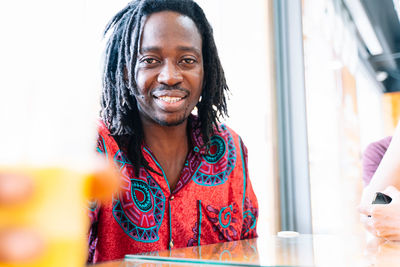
(184, 176)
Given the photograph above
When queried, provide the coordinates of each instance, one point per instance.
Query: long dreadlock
(119, 107)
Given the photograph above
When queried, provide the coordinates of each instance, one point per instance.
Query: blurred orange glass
(49, 103)
(56, 211)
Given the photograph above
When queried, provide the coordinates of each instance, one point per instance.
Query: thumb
(364, 209)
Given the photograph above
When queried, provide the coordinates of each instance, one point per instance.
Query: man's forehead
(165, 15)
(169, 27)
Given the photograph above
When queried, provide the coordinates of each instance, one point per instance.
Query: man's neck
(170, 146)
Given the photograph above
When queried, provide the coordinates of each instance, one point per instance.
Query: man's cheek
(139, 80)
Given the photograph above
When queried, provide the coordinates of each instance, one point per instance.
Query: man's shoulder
(224, 129)
(105, 141)
(103, 130)
(230, 136)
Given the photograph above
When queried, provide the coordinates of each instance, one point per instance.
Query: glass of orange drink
(56, 211)
(49, 94)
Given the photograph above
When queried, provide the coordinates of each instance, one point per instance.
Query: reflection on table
(304, 250)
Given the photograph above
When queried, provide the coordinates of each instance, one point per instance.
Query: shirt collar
(196, 135)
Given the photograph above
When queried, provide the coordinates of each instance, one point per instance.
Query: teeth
(170, 99)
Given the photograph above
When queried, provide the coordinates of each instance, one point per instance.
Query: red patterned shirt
(213, 200)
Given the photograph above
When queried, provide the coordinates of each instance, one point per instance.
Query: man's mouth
(170, 99)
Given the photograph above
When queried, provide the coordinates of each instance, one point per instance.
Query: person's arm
(388, 172)
(250, 204)
(383, 220)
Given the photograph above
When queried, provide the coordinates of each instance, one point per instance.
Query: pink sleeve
(372, 157)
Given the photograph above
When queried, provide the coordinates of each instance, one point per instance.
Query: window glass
(344, 113)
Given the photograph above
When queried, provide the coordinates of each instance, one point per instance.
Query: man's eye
(149, 61)
(188, 60)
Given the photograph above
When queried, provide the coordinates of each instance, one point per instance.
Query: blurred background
(312, 83)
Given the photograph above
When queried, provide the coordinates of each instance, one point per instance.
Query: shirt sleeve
(372, 157)
(250, 204)
(94, 205)
(94, 209)
(93, 212)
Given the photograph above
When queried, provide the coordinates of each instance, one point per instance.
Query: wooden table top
(304, 250)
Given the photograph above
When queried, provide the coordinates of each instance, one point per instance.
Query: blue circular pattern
(142, 220)
(216, 167)
(218, 142)
(137, 185)
(227, 216)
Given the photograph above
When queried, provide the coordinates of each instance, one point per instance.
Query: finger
(375, 241)
(379, 233)
(368, 224)
(364, 209)
(368, 210)
(392, 237)
(376, 211)
(373, 226)
(14, 188)
(389, 235)
(20, 245)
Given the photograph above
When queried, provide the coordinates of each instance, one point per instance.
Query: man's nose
(170, 74)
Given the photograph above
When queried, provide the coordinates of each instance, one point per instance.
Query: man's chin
(172, 122)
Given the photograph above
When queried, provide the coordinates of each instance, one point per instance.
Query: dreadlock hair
(119, 109)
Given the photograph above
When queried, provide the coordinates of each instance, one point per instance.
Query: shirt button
(172, 197)
(171, 243)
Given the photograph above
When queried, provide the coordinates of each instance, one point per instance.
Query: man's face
(169, 68)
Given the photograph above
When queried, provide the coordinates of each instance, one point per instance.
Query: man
(184, 177)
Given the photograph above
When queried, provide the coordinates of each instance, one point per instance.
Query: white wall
(48, 95)
(370, 108)
(243, 41)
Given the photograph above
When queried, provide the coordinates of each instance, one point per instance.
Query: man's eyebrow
(180, 48)
(149, 49)
(190, 49)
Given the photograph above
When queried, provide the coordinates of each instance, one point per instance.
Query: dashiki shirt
(213, 200)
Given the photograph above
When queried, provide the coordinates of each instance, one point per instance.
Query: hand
(383, 220)
(368, 195)
(17, 244)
